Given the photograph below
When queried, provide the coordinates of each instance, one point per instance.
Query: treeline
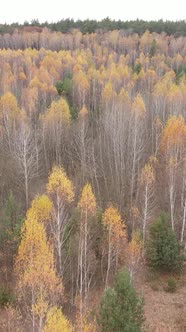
(177, 28)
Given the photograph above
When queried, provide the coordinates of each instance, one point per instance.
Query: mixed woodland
(92, 172)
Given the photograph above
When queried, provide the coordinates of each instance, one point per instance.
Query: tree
(41, 209)
(37, 280)
(120, 308)
(61, 192)
(115, 238)
(56, 321)
(173, 147)
(112, 150)
(163, 249)
(10, 115)
(11, 222)
(183, 202)
(147, 180)
(138, 113)
(81, 83)
(11, 320)
(134, 253)
(81, 143)
(108, 95)
(26, 156)
(87, 207)
(55, 124)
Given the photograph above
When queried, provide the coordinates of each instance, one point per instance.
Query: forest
(92, 179)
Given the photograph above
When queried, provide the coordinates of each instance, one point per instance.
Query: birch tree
(115, 238)
(61, 192)
(87, 207)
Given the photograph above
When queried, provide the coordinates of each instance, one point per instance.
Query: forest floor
(164, 311)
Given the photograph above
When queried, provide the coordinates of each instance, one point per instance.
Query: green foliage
(11, 221)
(121, 309)
(73, 112)
(180, 73)
(163, 249)
(5, 297)
(137, 68)
(89, 26)
(59, 87)
(153, 48)
(171, 285)
(65, 86)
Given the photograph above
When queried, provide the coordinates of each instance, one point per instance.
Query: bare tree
(25, 150)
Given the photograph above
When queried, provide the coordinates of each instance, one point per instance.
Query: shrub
(171, 285)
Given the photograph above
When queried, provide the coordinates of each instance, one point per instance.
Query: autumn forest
(92, 179)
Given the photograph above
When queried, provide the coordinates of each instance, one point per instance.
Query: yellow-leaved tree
(56, 321)
(61, 192)
(41, 209)
(137, 132)
(134, 253)
(10, 115)
(37, 280)
(115, 238)
(55, 124)
(147, 180)
(173, 149)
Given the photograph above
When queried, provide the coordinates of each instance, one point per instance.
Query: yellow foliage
(9, 108)
(80, 80)
(87, 324)
(58, 112)
(40, 307)
(174, 93)
(113, 222)
(163, 86)
(40, 209)
(135, 247)
(108, 92)
(147, 175)
(34, 265)
(87, 203)
(138, 106)
(22, 76)
(7, 78)
(59, 184)
(174, 133)
(56, 321)
(123, 97)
